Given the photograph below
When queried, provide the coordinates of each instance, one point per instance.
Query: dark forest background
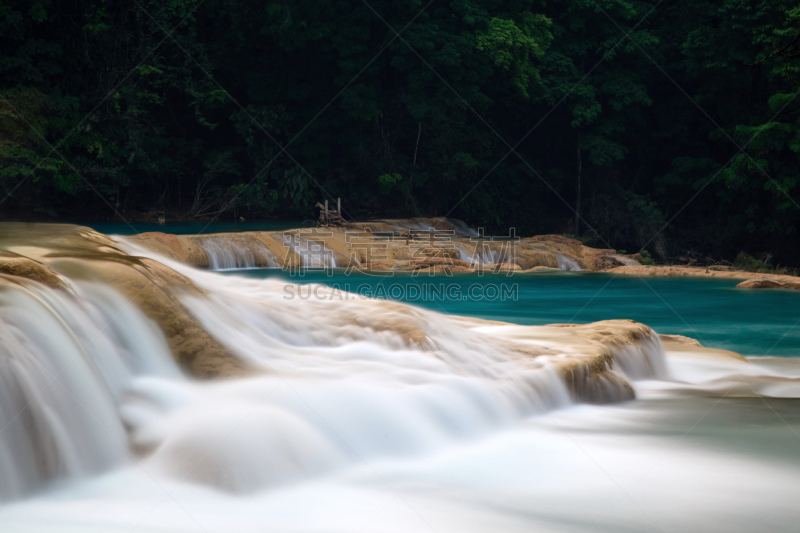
(666, 125)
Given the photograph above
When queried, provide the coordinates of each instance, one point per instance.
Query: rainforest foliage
(667, 125)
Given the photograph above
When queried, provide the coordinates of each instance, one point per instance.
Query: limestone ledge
(400, 244)
(59, 256)
(586, 355)
(386, 245)
(55, 255)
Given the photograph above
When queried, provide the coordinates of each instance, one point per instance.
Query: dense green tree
(631, 123)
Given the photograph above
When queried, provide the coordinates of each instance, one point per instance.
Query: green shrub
(749, 263)
(646, 259)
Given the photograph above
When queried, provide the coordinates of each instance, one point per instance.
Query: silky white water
(481, 254)
(367, 416)
(67, 359)
(313, 254)
(224, 255)
(567, 263)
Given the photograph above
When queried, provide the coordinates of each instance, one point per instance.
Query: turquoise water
(194, 228)
(751, 322)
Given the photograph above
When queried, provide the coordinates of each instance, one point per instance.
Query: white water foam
(228, 254)
(481, 254)
(369, 415)
(567, 263)
(65, 359)
(313, 253)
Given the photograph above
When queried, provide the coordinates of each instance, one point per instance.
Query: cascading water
(644, 360)
(458, 228)
(356, 415)
(78, 357)
(312, 253)
(462, 229)
(225, 254)
(567, 263)
(484, 252)
(371, 369)
(481, 255)
(65, 360)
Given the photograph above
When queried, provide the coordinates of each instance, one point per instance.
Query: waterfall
(96, 387)
(567, 263)
(225, 253)
(356, 414)
(462, 229)
(366, 368)
(644, 360)
(65, 360)
(313, 254)
(481, 254)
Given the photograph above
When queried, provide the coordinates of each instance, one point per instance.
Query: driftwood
(331, 217)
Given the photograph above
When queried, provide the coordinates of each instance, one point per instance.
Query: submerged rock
(766, 283)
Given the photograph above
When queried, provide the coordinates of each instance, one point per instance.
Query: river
(374, 415)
